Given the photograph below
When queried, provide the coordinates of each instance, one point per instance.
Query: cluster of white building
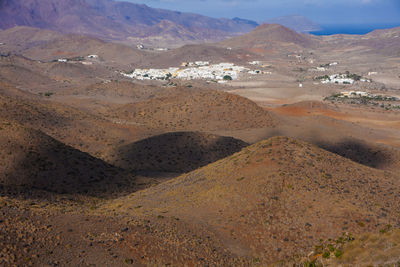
(338, 79)
(342, 79)
(354, 94)
(357, 94)
(93, 56)
(192, 71)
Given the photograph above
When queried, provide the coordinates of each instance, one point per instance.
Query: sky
(325, 12)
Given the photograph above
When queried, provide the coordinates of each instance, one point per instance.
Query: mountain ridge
(112, 20)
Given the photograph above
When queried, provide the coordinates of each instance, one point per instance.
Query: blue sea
(351, 29)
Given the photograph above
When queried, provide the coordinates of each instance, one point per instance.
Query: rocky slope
(272, 200)
(194, 110)
(31, 159)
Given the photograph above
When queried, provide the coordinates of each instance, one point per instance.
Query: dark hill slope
(175, 152)
(31, 159)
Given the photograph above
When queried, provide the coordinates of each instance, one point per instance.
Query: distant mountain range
(297, 23)
(121, 21)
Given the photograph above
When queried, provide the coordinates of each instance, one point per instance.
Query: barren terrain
(283, 166)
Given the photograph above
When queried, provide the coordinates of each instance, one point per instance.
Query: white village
(221, 72)
(342, 79)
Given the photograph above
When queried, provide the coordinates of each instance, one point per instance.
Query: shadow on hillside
(49, 166)
(360, 152)
(61, 169)
(175, 152)
(356, 150)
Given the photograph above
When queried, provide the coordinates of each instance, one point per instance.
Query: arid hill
(354, 146)
(195, 110)
(269, 36)
(127, 91)
(383, 43)
(47, 45)
(40, 77)
(272, 200)
(24, 73)
(176, 152)
(74, 127)
(194, 52)
(32, 159)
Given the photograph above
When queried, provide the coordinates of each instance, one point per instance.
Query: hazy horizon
(324, 12)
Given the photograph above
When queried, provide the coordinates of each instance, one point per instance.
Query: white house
(256, 62)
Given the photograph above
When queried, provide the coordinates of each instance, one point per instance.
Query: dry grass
(270, 196)
(382, 249)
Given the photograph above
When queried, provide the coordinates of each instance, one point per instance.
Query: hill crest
(274, 193)
(270, 36)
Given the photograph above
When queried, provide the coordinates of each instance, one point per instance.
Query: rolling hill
(126, 91)
(48, 45)
(31, 159)
(270, 36)
(272, 200)
(194, 52)
(182, 109)
(74, 127)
